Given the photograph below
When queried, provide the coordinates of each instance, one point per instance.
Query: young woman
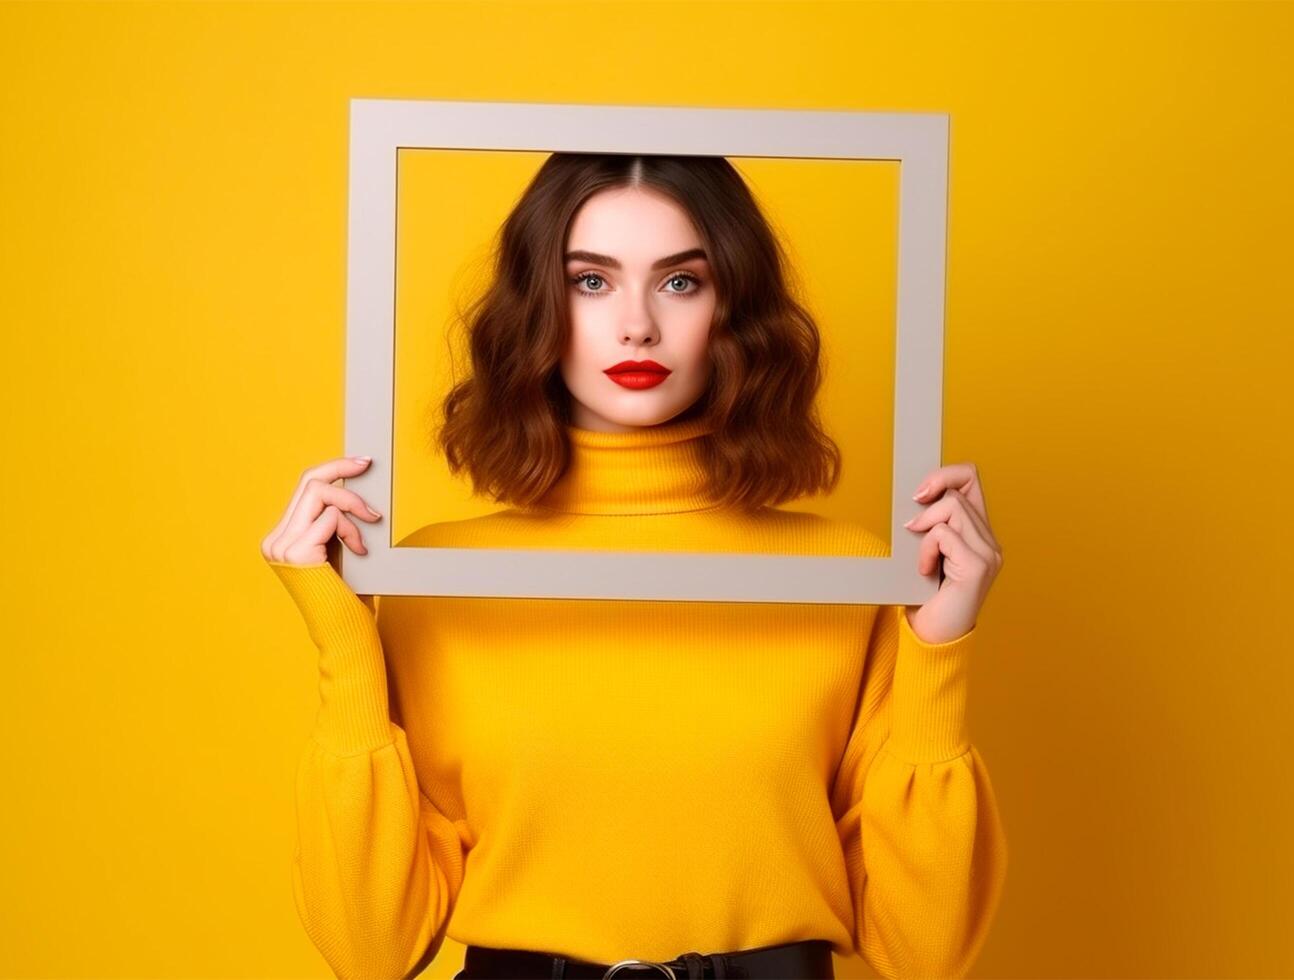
(591, 788)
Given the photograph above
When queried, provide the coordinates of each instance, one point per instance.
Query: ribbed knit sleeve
(377, 866)
(915, 810)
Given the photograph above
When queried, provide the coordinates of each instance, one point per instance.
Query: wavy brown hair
(505, 424)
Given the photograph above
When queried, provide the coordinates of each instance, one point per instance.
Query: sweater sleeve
(377, 866)
(918, 822)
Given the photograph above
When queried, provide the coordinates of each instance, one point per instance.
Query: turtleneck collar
(652, 470)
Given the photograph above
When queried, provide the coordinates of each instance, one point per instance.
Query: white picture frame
(379, 128)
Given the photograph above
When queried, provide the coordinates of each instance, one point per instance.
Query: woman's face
(640, 289)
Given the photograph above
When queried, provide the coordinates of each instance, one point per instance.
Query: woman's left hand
(956, 527)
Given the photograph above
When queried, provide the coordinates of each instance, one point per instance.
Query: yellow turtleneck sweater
(614, 779)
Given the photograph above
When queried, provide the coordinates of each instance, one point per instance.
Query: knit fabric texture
(606, 779)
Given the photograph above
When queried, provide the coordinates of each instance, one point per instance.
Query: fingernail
(921, 491)
(909, 523)
(362, 459)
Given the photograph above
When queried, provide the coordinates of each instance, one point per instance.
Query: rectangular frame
(379, 128)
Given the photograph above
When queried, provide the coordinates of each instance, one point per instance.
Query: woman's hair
(505, 423)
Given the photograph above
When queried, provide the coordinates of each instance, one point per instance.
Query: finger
(953, 510)
(974, 494)
(964, 477)
(928, 551)
(970, 527)
(314, 498)
(978, 511)
(982, 539)
(328, 471)
(349, 533)
(316, 535)
(961, 562)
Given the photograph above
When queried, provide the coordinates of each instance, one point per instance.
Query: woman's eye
(585, 278)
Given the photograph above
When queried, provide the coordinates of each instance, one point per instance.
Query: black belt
(810, 958)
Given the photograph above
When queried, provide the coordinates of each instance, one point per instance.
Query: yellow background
(172, 218)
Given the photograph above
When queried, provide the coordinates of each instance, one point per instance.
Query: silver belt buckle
(664, 968)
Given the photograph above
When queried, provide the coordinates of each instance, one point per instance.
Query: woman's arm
(916, 814)
(377, 867)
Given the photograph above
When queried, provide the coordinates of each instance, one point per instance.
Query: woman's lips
(637, 374)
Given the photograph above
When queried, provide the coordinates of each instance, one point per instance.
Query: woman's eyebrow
(597, 258)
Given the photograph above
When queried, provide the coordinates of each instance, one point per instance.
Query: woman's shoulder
(806, 532)
(503, 528)
(769, 530)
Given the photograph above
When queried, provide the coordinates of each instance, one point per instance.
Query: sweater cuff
(354, 713)
(928, 711)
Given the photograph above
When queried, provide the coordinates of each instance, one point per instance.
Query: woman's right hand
(317, 512)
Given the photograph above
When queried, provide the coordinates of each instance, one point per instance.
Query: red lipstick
(637, 374)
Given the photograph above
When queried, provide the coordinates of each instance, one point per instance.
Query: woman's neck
(650, 470)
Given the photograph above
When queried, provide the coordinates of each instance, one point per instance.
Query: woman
(614, 788)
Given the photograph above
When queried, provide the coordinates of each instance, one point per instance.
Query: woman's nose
(638, 330)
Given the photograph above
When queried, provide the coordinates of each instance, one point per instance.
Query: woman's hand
(956, 526)
(315, 514)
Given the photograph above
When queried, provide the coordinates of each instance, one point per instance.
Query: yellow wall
(172, 219)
